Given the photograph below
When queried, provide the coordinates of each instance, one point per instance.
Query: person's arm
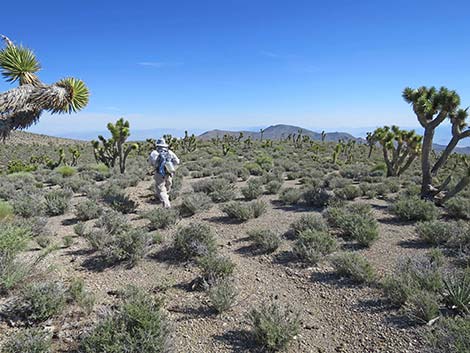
(174, 158)
(152, 158)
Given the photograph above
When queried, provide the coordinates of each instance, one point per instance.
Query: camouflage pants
(162, 188)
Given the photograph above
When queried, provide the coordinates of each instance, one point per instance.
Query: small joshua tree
(432, 107)
(114, 149)
(22, 106)
(188, 143)
(400, 148)
(323, 136)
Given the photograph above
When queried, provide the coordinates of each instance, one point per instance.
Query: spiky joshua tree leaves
(22, 106)
(400, 147)
(433, 107)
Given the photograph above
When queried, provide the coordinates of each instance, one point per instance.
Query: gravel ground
(336, 316)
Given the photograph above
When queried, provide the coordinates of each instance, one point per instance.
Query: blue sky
(334, 65)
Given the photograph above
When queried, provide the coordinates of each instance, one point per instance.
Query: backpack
(164, 163)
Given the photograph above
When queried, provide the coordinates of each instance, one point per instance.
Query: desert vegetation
(295, 244)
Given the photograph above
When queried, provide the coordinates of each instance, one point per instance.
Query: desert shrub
(422, 306)
(194, 203)
(137, 325)
(312, 245)
(253, 168)
(273, 326)
(355, 221)
(436, 232)
(65, 171)
(214, 268)
(67, 241)
(258, 208)
(39, 302)
(13, 271)
(273, 187)
(221, 190)
(309, 222)
(349, 192)
(238, 211)
(118, 200)
(160, 218)
(412, 275)
(37, 225)
(317, 197)
(6, 210)
(222, 296)
(128, 246)
(354, 266)
(458, 207)
(43, 241)
(253, 189)
(80, 229)
(290, 196)
(230, 177)
(196, 239)
(414, 209)
(451, 335)
(13, 238)
(457, 291)
(57, 202)
(112, 222)
(75, 184)
(88, 209)
(77, 293)
(28, 204)
(265, 240)
(17, 166)
(32, 340)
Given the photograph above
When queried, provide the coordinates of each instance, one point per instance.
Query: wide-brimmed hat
(161, 143)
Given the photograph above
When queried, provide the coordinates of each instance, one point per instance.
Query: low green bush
(355, 267)
(222, 296)
(194, 203)
(66, 171)
(458, 207)
(195, 239)
(414, 209)
(290, 196)
(436, 232)
(31, 340)
(13, 238)
(457, 291)
(265, 240)
(317, 197)
(28, 204)
(422, 307)
(273, 187)
(215, 268)
(57, 202)
(450, 335)
(258, 208)
(137, 325)
(160, 218)
(39, 302)
(253, 189)
(88, 209)
(6, 210)
(273, 326)
(238, 211)
(349, 192)
(309, 222)
(312, 245)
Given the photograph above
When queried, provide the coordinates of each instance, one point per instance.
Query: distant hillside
(29, 138)
(278, 132)
(461, 150)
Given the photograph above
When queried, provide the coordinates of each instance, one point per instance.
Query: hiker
(164, 161)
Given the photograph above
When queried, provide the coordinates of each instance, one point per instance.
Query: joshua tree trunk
(426, 183)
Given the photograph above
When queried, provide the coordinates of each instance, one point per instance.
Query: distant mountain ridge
(279, 132)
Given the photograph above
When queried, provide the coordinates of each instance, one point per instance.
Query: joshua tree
(371, 141)
(323, 136)
(400, 147)
(432, 107)
(261, 133)
(114, 148)
(22, 106)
